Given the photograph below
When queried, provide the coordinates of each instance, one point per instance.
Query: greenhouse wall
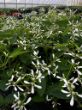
(74, 3)
(32, 3)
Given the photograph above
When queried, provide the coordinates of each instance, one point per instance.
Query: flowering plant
(41, 59)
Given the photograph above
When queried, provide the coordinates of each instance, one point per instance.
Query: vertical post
(78, 3)
(4, 4)
(16, 4)
(32, 3)
(25, 4)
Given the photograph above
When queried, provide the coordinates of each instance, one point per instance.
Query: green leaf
(55, 91)
(6, 100)
(37, 98)
(41, 92)
(16, 53)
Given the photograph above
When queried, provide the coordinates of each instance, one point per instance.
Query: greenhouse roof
(23, 3)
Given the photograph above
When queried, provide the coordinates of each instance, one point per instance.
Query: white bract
(35, 76)
(12, 83)
(69, 88)
(19, 104)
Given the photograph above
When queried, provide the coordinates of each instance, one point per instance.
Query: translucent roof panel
(35, 1)
(27, 3)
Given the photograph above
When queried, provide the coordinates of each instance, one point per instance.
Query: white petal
(14, 105)
(80, 73)
(37, 71)
(32, 89)
(20, 89)
(72, 101)
(15, 88)
(65, 85)
(19, 79)
(80, 95)
(16, 108)
(35, 53)
(54, 75)
(79, 67)
(16, 97)
(28, 100)
(33, 63)
(72, 79)
(39, 80)
(53, 55)
(7, 87)
(49, 72)
(32, 72)
(71, 54)
(7, 84)
(12, 77)
(37, 86)
(75, 80)
(65, 81)
(68, 95)
(47, 98)
(72, 60)
(38, 63)
(64, 91)
(26, 82)
(58, 77)
(25, 108)
(24, 47)
(39, 74)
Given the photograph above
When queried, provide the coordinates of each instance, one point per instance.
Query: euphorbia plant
(41, 58)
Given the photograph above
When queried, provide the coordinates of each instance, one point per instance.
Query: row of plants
(41, 60)
(38, 9)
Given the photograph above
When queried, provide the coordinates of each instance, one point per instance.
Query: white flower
(13, 84)
(20, 105)
(39, 75)
(68, 94)
(69, 85)
(34, 85)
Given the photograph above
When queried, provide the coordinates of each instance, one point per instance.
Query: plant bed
(41, 61)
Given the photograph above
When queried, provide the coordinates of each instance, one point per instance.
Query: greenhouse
(32, 3)
(40, 54)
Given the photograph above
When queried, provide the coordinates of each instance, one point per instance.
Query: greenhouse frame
(32, 3)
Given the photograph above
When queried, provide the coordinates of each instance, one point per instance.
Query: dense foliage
(41, 59)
